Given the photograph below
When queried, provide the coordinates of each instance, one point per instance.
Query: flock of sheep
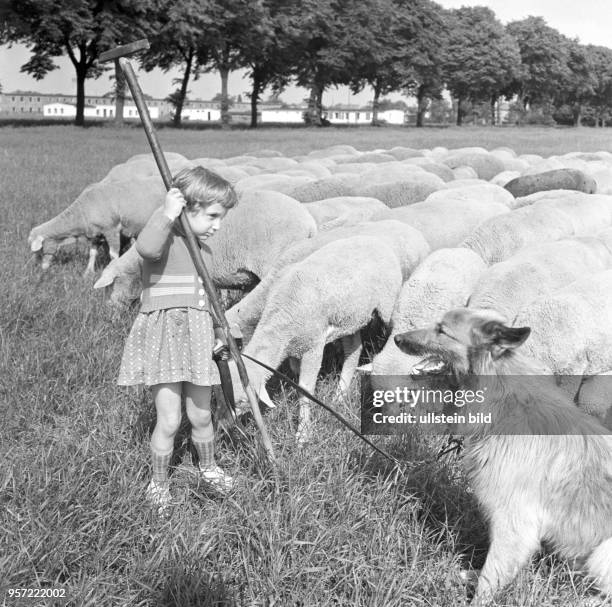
(321, 243)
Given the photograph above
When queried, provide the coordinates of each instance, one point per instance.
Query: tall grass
(331, 525)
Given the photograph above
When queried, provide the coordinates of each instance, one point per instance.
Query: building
(100, 111)
(348, 114)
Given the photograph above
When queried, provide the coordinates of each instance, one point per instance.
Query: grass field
(331, 525)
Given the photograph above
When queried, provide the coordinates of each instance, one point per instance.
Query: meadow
(331, 525)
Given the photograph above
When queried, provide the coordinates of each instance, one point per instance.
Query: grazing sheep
(571, 329)
(482, 190)
(343, 211)
(445, 221)
(559, 179)
(502, 236)
(534, 271)
(141, 168)
(327, 187)
(407, 243)
(402, 153)
(485, 164)
(437, 168)
(124, 274)
(102, 209)
(245, 247)
(331, 294)
(334, 150)
(401, 193)
(253, 235)
(272, 181)
(442, 281)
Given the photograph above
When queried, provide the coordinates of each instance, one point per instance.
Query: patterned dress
(170, 345)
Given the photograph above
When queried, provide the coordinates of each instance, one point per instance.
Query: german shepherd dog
(542, 471)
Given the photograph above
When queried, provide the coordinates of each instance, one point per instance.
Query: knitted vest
(169, 277)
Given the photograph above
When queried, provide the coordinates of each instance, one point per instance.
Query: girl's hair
(202, 187)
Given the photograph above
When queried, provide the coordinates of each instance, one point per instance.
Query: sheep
(559, 179)
(272, 181)
(327, 187)
(401, 193)
(485, 165)
(508, 286)
(500, 237)
(333, 150)
(273, 164)
(571, 329)
(445, 222)
(406, 242)
(401, 153)
(318, 169)
(343, 211)
(481, 190)
(103, 209)
(444, 280)
(437, 168)
(465, 172)
(331, 294)
(143, 167)
(245, 247)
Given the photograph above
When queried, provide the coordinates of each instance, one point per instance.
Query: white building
(201, 114)
(285, 115)
(352, 115)
(68, 110)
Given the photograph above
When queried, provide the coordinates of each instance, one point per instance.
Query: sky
(588, 20)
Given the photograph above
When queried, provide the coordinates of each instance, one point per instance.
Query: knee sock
(204, 445)
(159, 463)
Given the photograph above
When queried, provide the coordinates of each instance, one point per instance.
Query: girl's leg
(203, 437)
(197, 400)
(167, 399)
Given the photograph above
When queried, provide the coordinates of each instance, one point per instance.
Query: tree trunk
(180, 102)
(255, 91)
(320, 104)
(421, 106)
(119, 94)
(375, 105)
(314, 110)
(459, 111)
(577, 114)
(225, 117)
(493, 102)
(80, 96)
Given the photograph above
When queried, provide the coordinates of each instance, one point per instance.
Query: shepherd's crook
(119, 54)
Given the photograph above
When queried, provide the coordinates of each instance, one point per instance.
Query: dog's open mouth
(432, 365)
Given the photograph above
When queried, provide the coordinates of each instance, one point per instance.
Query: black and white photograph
(306, 303)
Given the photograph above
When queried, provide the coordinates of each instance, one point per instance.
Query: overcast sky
(588, 20)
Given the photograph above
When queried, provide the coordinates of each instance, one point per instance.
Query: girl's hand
(174, 203)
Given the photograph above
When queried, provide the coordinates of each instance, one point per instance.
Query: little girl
(171, 342)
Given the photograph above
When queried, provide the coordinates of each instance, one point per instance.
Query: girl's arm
(153, 238)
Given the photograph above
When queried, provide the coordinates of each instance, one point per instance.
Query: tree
(232, 29)
(427, 53)
(600, 59)
(544, 60)
(179, 42)
(578, 89)
(267, 51)
(482, 60)
(82, 29)
(319, 54)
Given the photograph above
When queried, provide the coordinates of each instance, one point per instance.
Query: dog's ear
(502, 338)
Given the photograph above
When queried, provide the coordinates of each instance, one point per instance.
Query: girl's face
(205, 221)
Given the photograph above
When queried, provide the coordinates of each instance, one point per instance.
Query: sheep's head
(45, 248)
(123, 281)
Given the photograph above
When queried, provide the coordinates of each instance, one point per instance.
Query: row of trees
(411, 46)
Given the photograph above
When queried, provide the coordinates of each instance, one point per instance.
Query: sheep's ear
(36, 244)
(106, 278)
(502, 337)
(264, 397)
